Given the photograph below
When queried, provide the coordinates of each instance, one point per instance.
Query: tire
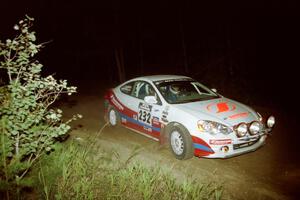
(113, 117)
(180, 142)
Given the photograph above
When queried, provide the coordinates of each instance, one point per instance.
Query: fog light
(224, 149)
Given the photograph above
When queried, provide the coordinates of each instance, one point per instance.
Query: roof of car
(161, 77)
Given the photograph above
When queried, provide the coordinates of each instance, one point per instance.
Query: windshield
(176, 92)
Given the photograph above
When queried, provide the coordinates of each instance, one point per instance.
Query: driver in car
(173, 93)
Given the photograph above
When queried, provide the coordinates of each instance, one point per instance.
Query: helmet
(150, 91)
(174, 89)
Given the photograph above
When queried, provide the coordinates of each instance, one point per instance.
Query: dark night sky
(257, 40)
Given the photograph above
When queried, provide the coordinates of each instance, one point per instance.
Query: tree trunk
(183, 42)
(120, 64)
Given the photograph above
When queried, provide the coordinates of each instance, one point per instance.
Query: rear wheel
(113, 117)
(180, 142)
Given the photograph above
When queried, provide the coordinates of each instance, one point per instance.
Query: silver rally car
(191, 118)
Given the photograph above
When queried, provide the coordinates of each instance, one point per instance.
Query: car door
(141, 116)
(148, 114)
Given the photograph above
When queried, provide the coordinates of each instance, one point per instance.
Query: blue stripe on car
(140, 123)
(202, 147)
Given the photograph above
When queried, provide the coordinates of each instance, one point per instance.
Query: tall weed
(74, 171)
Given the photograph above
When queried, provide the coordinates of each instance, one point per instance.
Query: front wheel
(180, 142)
(113, 117)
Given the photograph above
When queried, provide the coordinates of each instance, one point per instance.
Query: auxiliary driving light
(242, 129)
(254, 128)
(271, 121)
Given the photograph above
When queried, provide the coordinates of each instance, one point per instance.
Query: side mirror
(214, 90)
(150, 99)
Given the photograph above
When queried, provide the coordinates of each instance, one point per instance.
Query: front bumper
(239, 146)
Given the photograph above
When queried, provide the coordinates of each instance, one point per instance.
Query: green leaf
(28, 121)
(14, 132)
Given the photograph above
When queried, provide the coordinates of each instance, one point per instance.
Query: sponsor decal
(147, 129)
(239, 115)
(123, 120)
(116, 103)
(164, 120)
(220, 142)
(221, 107)
(172, 80)
(155, 121)
(144, 106)
(165, 111)
(165, 114)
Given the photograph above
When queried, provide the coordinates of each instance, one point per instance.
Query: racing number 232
(144, 116)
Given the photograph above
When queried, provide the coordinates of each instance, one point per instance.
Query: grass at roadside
(75, 171)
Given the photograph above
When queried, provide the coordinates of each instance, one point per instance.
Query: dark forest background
(248, 50)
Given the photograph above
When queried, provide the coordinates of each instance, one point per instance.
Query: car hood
(222, 110)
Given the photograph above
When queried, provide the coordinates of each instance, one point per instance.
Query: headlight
(242, 129)
(254, 128)
(213, 127)
(271, 121)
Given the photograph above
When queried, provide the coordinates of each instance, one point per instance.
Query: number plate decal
(144, 114)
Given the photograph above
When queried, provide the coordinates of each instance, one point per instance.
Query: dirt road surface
(271, 172)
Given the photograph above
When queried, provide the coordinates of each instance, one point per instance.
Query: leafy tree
(29, 125)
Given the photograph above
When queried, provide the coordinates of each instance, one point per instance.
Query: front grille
(245, 144)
